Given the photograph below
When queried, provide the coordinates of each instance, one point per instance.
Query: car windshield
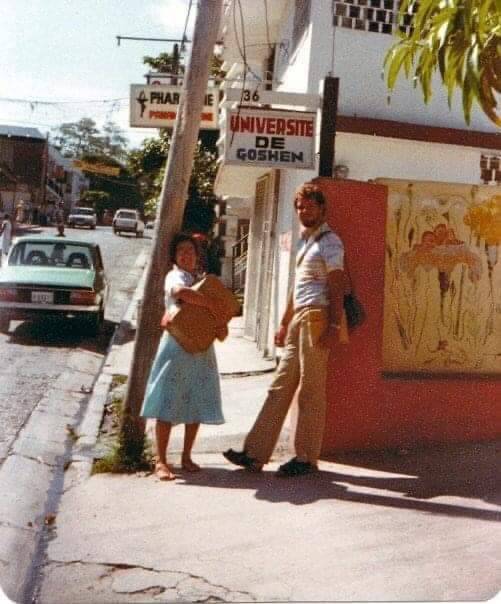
(48, 253)
(131, 215)
(86, 211)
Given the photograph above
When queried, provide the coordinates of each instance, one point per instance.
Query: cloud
(171, 14)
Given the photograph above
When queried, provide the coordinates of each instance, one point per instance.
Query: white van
(128, 221)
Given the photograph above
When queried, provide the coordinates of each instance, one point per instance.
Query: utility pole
(168, 223)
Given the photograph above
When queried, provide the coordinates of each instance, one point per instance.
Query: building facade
(34, 176)
(290, 47)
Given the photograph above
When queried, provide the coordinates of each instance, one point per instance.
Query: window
(84, 211)
(302, 11)
(48, 253)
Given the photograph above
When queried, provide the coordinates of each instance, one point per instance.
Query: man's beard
(308, 224)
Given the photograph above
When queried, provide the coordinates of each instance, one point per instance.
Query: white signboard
(156, 106)
(279, 139)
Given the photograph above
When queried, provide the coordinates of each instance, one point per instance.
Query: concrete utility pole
(168, 222)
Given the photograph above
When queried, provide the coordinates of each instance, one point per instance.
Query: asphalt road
(33, 355)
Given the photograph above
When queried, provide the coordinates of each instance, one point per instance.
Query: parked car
(82, 217)
(48, 276)
(128, 221)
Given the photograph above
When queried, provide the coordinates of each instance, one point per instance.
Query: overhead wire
(73, 102)
(186, 25)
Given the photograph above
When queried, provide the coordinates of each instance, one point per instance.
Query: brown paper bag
(194, 327)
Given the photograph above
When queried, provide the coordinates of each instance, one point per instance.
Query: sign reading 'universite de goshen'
(280, 139)
(156, 106)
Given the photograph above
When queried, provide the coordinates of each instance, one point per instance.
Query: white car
(82, 217)
(126, 220)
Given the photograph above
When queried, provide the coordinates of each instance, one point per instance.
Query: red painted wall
(365, 409)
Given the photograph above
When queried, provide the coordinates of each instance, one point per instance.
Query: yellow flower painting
(442, 309)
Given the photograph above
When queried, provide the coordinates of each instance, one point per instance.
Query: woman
(182, 388)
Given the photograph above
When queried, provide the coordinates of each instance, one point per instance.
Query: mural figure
(442, 279)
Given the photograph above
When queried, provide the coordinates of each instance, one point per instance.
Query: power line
(39, 102)
(186, 26)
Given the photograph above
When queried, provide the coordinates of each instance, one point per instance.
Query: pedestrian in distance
(59, 216)
(6, 235)
(182, 388)
(312, 322)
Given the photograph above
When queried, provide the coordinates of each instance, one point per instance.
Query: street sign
(156, 106)
(278, 139)
(96, 168)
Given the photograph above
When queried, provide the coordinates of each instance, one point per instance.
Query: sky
(58, 55)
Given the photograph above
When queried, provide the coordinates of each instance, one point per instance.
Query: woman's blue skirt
(183, 388)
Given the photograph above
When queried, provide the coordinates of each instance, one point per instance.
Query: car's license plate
(42, 297)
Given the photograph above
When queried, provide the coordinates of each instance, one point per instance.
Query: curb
(82, 457)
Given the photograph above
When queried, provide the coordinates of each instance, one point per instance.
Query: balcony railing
(239, 266)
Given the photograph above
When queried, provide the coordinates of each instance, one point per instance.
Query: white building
(296, 44)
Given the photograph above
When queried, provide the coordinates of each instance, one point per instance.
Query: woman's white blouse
(176, 278)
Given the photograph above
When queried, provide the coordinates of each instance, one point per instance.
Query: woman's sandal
(163, 472)
(190, 466)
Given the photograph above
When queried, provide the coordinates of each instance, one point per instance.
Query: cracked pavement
(109, 583)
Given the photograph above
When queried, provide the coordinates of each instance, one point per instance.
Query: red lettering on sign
(162, 115)
(272, 125)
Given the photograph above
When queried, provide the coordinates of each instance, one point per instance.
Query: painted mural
(442, 279)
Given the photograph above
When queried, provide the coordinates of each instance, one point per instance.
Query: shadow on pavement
(470, 470)
(57, 333)
(422, 482)
(26, 230)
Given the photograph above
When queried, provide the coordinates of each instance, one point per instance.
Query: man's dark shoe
(240, 458)
(295, 467)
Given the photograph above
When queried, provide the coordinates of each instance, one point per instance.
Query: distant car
(128, 221)
(150, 224)
(47, 276)
(82, 217)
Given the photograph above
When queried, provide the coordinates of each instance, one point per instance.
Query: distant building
(22, 153)
(34, 176)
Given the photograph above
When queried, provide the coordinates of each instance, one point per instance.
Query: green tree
(76, 139)
(97, 200)
(114, 143)
(459, 39)
(122, 190)
(167, 62)
(147, 165)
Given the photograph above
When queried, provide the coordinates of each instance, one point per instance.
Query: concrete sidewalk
(367, 527)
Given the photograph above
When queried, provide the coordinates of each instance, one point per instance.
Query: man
(6, 233)
(309, 325)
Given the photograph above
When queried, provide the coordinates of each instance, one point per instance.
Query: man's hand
(280, 336)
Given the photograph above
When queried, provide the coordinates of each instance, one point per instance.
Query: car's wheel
(4, 324)
(95, 323)
(92, 227)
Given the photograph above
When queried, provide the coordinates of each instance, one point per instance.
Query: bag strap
(308, 246)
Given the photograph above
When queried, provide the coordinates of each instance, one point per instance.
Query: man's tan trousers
(303, 368)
